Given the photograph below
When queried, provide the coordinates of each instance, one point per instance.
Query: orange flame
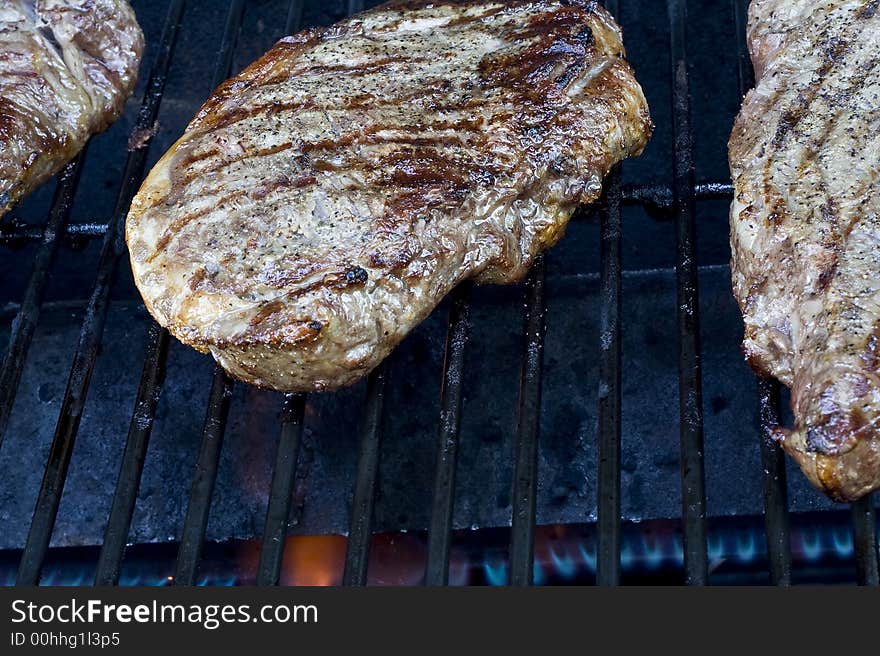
(313, 560)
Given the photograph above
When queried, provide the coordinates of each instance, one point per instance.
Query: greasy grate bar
(440, 531)
(281, 491)
(609, 410)
(128, 483)
(92, 329)
(292, 416)
(656, 198)
(25, 322)
(525, 478)
(357, 555)
(775, 489)
(865, 540)
(609, 417)
(690, 384)
(196, 522)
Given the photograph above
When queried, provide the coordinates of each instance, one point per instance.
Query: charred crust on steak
(356, 276)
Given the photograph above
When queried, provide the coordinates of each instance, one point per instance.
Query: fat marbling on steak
(805, 229)
(66, 70)
(324, 201)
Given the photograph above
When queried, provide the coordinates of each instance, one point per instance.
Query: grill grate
(680, 197)
(690, 391)
(440, 532)
(283, 478)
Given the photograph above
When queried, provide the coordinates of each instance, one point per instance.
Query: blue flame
(151, 581)
(746, 549)
(563, 563)
(715, 547)
(811, 544)
(653, 552)
(537, 573)
(843, 542)
(218, 582)
(626, 555)
(495, 574)
(588, 556)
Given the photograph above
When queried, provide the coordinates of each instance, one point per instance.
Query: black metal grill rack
(680, 196)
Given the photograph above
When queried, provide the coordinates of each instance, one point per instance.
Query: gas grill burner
(608, 543)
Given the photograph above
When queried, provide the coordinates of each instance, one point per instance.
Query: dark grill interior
(439, 440)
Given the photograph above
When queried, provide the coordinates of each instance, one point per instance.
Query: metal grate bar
(358, 554)
(608, 511)
(196, 522)
(15, 232)
(199, 507)
(440, 531)
(150, 388)
(129, 481)
(660, 197)
(283, 479)
(654, 196)
(525, 481)
(92, 329)
(284, 474)
(690, 383)
(609, 411)
(294, 17)
(865, 540)
(744, 64)
(775, 488)
(25, 323)
(608, 550)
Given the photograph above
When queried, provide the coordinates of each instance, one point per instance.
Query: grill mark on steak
(186, 163)
(366, 136)
(181, 222)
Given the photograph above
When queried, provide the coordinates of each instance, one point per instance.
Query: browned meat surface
(324, 201)
(66, 70)
(805, 229)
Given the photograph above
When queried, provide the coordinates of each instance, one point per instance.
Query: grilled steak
(805, 229)
(66, 69)
(322, 203)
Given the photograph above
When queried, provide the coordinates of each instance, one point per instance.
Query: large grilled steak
(805, 229)
(66, 70)
(324, 201)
